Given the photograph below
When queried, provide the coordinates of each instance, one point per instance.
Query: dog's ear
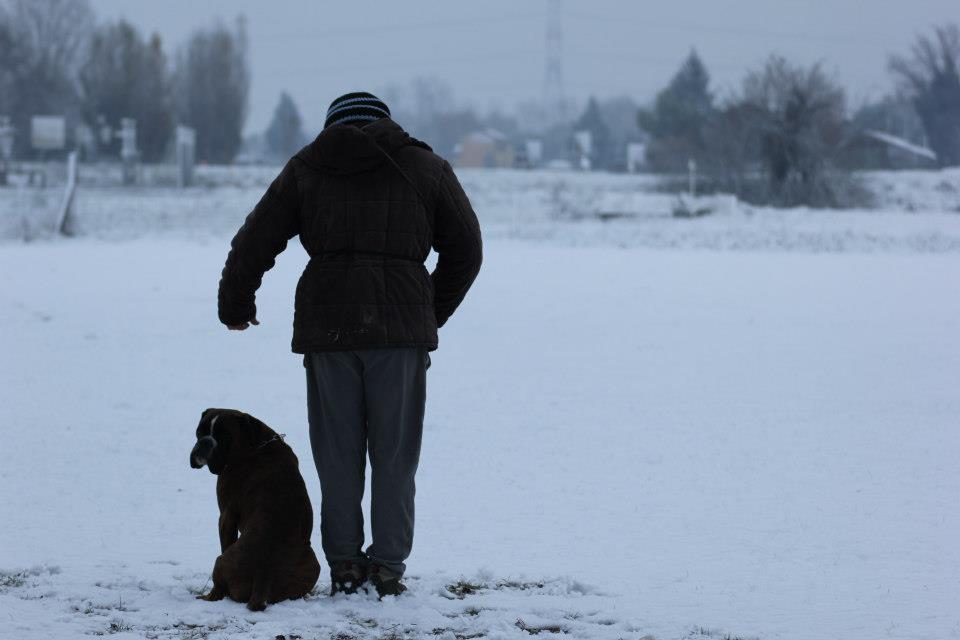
(203, 427)
(207, 450)
(223, 433)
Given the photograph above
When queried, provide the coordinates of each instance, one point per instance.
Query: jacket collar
(346, 149)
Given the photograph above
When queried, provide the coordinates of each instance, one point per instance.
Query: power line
(839, 38)
(651, 61)
(419, 26)
(419, 64)
(474, 58)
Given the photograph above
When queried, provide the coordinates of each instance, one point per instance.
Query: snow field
(677, 444)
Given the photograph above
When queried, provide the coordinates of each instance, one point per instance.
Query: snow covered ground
(568, 208)
(621, 441)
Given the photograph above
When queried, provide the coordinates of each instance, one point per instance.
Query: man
(368, 202)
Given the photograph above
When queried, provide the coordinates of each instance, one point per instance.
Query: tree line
(786, 137)
(55, 59)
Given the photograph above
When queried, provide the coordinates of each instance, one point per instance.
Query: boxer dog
(265, 513)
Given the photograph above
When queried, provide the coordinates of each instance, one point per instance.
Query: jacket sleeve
(456, 239)
(264, 234)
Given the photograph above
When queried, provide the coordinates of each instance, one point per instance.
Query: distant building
(485, 149)
(872, 149)
(529, 154)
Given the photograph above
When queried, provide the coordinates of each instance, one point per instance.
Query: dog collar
(279, 436)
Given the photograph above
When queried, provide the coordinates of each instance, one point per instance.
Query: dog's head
(225, 436)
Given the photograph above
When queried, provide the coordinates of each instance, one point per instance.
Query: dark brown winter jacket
(368, 204)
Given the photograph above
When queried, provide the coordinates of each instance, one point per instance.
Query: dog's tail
(260, 593)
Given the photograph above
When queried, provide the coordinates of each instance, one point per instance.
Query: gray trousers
(359, 401)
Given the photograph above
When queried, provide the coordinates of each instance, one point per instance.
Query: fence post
(186, 144)
(692, 168)
(68, 195)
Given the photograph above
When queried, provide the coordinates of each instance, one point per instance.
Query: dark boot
(346, 577)
(385, 581)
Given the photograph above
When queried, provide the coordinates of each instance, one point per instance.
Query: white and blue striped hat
(356, 107)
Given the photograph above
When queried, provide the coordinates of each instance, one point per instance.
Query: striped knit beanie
(356, 107)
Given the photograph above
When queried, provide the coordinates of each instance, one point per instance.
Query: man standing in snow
(368, 202)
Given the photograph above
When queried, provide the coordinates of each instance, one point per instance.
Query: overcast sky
(492, 52)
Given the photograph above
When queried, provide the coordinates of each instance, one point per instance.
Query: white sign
(128, 139)
(584, 141)
(534, 151)
(48, 133)
(636, 156)
(186, 144)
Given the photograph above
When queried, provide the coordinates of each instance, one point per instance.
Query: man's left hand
(242, 326)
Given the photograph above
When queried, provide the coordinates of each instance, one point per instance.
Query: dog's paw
(254, 605)
(213, 596)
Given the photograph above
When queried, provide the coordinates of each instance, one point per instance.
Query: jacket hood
(344, 149)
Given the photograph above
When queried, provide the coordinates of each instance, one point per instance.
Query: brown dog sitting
(262, 498)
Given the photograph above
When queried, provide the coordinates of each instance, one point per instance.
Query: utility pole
(554, 100)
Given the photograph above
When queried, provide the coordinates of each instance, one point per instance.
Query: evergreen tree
(679, 116)
(592, 121)
(9, 62)
(285, 133)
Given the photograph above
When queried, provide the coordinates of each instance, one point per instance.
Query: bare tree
(52, 31)
(427, 109)
(414, 104)
(430, 97)
(45, 38)
(930, 75)
(800, 126)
